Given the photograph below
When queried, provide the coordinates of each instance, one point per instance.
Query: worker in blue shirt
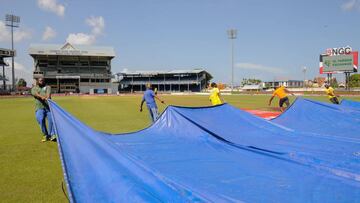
(148, 97)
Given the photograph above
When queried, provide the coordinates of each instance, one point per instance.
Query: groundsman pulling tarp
(211, 154)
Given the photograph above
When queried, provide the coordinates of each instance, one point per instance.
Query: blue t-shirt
(149, 98)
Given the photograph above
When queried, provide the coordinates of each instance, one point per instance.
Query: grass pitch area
(31, 171)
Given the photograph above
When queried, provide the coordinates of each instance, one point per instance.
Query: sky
(275, 40)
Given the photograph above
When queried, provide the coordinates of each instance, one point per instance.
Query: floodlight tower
(12, 21)
(232, 35)
(304, 71)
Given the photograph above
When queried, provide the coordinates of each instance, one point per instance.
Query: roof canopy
(162, 72)
(69, 49)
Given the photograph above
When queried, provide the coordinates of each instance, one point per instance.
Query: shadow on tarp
(219, 154)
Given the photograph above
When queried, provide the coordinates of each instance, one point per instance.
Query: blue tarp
(322, 119)
(209, 154)
(350, 103)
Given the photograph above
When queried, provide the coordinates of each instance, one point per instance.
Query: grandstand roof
(69, 49)
(162, 72)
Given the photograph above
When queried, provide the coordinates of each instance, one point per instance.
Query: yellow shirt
(214, 96)
(330, 92)
(280, 92)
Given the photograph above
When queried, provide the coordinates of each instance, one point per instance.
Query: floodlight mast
(12, 21)
(232, 35)
(304, 71)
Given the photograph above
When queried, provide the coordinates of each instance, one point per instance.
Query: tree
(334, 83)
(354, 80)
(21, 82)
(320, 81)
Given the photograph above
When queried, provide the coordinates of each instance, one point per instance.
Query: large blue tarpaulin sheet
(350, 103)
(322, 119)
(208, 154)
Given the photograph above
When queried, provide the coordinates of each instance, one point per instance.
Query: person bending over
(331, 94)
(281, 92)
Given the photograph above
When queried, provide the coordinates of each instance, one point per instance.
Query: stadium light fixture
(232, 33)
(304, 71)
(12, 21)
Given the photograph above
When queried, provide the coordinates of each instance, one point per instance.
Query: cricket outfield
(31, 170)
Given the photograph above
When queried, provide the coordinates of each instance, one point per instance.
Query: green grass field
(31, 171)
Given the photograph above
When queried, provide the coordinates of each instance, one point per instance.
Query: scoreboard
(340, 62)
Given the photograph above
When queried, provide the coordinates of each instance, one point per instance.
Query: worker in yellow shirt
(215, 96)
(332, 96)
(281, 92)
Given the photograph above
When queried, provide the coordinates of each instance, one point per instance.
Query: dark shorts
(284, 100)
(334, 100)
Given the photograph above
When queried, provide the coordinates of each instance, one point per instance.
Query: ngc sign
(339, 60)
(338, 51)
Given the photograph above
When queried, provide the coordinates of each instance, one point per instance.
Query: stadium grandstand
(69, 68)
(166, 81)
(5, 53)
(286, 83)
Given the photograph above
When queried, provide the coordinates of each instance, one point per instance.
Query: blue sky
(275, 40)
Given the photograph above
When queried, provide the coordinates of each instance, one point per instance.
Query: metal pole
(304, 71)
(4, 82)
(232, 65)
(232, 35)
(347, 80)
(12, 58)
(10, 20)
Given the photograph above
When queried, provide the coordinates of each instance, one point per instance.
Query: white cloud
(4, 33)
(81, 38)
(49, 33)
(350, 5)
(19, 34)
(97, 25)
(52, 6)
(258, 67)
(20, 72)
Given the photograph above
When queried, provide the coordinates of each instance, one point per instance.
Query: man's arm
(48, 92)
(36, 94)
(336, 95)
(331, 94)
(272, 97)
(158, 98)
(289, 92)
